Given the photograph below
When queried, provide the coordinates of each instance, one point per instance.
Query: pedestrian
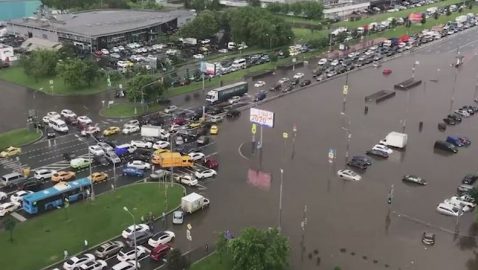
(207, 248)
(65, 254)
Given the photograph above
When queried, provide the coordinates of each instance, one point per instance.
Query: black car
(50, 133)
(233, 114)
(295, 82)
(32, 185)
(377, 153)
(414, 179)
(454, 117)
(428, 238)
(214, 110)
(140, 156)
(445, 146)
(356, 163)
(469, 179)
(287, 88)
(449, 121)
(100, 160)
(69, 156)
(468, 109)
(305, 83)
(363, 159)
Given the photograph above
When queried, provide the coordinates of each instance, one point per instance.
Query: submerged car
(414, 179)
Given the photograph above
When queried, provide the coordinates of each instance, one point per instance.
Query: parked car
(76, 261)
(129, 171)
(449, 210)
(128, 232)
(469, 179)
(127, 253)
(178, 217)
(445, 146)
(356, 163)
(383, 148)
(205, 173)
(126, 265)
(428, 238)
(163, 237)
(377, 153)
(108, 249)
(414, 179)
(8, 207)
(348, 175)
(138, 164)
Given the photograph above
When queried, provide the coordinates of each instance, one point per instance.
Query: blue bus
(56, 196)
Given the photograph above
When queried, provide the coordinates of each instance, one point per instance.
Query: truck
(124, 149)
(193, 202)
(151, 132)
(226, 92)
(171, 159)
(395, 139)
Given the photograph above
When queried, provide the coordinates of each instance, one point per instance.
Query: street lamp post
(134, 237)
(280, 198)
(90, 161)
(349, 135)
(294, 130)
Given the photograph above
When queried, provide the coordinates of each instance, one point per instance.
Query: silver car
(108, 249)
(178, 217)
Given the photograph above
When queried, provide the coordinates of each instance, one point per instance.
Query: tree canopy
(203, 26)
(145, 86)
(176, 261)
(39, 63)
(307, 9)
(256, 249)
(78, 73)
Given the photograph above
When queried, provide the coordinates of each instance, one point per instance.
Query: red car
(386, 71)
(179, 121)
(210, 163)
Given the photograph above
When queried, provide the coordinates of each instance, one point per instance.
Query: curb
(34, 141)
(119, 235)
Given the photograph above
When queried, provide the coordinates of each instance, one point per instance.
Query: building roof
(32, 44)
(102, 22)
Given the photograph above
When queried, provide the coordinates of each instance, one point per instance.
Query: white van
(58, 125)
(13, 178)
(239, 63)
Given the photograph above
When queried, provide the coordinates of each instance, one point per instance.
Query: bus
(56, 196)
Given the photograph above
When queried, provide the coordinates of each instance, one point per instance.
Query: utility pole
(280, 198)
(349, 136)
(345, 92)
(303, 224)
(294, 130)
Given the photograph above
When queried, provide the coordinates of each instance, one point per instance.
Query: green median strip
(125, 110)
(18, 137)
(43, 239)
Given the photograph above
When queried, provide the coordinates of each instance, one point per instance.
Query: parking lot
(348, 223)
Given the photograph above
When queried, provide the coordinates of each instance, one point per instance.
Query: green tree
(259, 250)
(71, 70)
(254, 3)
(67, 50)
(9, 223)
(203, 26)
(222, 247)
(115, 77)
(199, 5)
(313, 10)
(90, 72)
(176, 261)
(214, 5)
(274, 7)
(40, 63)
(187, 4)
(145, 86)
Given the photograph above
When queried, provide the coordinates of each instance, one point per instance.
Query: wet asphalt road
(350, 224)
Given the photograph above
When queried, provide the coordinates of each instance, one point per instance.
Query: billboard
(262, 117)
(207, 68)
(415, 17)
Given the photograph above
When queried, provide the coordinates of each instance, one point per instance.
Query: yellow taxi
(214, 130)
(160, 151)
(111, 131)
(63, 176)
(10, 152)
(195, 124)
(98, 177)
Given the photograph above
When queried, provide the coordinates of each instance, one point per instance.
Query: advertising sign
(208, 68)
(262, 117)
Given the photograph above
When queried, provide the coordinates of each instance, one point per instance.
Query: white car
(130, 129)
(178, 217)
(94, 265)
(141, 144)
(259, 84)
(46, 119)
(215, 118)
(164, 135)
(43, 174)
(465, 200)
(349, 175)
(198, 56)
(196, 156)
(105, 51)
(131, 123)
(128, 254)
(77, 261)
(138, 164)
(322, 62)
(170, 109)
(161, 238)
(139, 228)
(67, 113)
(383, 148)
(335, 62)
(205, 174)
(234, 99)
(458, 204)
(84, 120)
(96, 150)
(106, 147)
(126, 265)
(53, 115)
(3, 196)
(449, 210)
(187, 180)
(160, 145)
(298, 75)
(8, 207)
(17, 197)
(462, 113)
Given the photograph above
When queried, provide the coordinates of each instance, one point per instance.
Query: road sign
(51, 82)
(285, 135)
(254, 128)
(294, 128)
(120, 86)
(346, 90)
(331, 155)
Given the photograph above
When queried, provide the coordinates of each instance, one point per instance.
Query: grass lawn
(212, 263)
(127, 110)
(299, 20)
(41, 241)
(17, 76)
(17, 137)
(397, 14)
(303, 34)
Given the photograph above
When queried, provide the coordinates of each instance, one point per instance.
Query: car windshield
(178, 214)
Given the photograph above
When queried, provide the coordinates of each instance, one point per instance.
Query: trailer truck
(226, 92)
(193, 202)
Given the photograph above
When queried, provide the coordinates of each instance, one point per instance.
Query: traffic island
(127, 110)
(18, 137)
(45, 237)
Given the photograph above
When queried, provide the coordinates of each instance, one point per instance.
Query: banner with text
(262, 117)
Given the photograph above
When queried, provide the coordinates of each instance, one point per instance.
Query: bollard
(420, 126)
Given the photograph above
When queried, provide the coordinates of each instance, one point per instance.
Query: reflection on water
(259, 179)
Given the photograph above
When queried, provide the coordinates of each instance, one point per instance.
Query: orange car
(98, 177)
(155, 160)
(63, 176)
